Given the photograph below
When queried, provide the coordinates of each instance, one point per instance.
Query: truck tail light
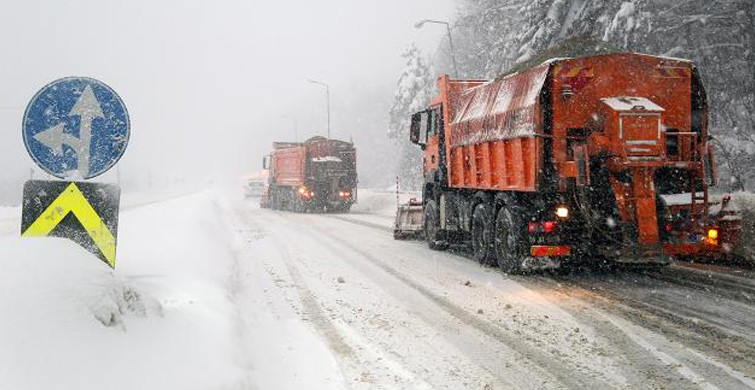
(549, 226)
(562, 212)
(344, 194)
(533, 227)
(306, 193)
(712, 238)
(546, 227)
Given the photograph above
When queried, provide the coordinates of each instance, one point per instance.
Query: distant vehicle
(568, 159)
(253, 188)
(318, 174)
(254, 184)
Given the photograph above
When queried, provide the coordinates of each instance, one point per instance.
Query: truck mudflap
(643, 255)
(550, 250)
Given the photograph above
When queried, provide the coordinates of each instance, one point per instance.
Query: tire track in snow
(726, 339)
(563, 373)
(278, 339)
(726, 374)
(362, 223)
(733, 287)
(340, 336)
(440, 324)
(309, 303)
(667, 325)
(685, 315)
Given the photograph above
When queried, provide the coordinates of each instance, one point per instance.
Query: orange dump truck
(572, 159)
(318, 174)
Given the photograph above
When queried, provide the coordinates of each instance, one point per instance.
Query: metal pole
(453, 55)
(327, 97)
(327, 93)
(450, 41)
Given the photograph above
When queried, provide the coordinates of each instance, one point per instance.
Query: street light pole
(327, 96)
(450, 40)
(296, 132)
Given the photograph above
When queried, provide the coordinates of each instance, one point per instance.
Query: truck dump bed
(505, 131)
(288, 164)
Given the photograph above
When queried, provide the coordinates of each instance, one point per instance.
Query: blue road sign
(76, 126)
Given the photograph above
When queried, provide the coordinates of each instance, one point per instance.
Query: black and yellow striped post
(86, 213)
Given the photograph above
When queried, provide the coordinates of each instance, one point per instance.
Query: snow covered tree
(483, 34)
(416, 86)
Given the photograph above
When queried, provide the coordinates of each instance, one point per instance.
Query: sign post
(75, 128)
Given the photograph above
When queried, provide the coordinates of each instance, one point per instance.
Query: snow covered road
(212, 293)
(397, 315)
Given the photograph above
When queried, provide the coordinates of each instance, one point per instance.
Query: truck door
(432, 150)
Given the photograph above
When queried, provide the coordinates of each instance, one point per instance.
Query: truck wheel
(509, 247)
(482, 237)
(432, 227)
(290, 200)
(274, 201)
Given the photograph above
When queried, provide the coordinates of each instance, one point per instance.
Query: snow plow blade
(409, 220)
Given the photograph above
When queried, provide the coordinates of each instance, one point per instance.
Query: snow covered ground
(170, 317)
(211, 292)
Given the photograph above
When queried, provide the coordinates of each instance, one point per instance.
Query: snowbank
(9, 212)
(161, 321)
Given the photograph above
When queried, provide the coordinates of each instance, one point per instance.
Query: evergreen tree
(416, 86)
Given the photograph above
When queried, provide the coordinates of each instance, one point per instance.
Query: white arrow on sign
(87, 108)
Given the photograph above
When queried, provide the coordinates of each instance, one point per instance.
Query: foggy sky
(206, 83)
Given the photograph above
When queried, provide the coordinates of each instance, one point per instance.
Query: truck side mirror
(419, 128)
(414, 130)
(265, 162)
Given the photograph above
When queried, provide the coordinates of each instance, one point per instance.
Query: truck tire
(482, 234)
(291, 200)
(509, 240)
(274, 200)
(299, 206)
(432, 227)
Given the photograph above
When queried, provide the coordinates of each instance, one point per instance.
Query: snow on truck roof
(631, 103)
(574, 48)
(326, 159)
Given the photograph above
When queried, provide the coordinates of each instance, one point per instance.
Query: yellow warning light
(713, 234)
(562, 212)
(302, 190)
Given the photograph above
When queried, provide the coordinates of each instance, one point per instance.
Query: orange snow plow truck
(573, 159)
(319, 174)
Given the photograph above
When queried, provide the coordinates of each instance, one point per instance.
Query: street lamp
(296, 133)
(327, 95)
(450, 41)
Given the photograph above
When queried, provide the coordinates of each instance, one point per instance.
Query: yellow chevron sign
(86, 213)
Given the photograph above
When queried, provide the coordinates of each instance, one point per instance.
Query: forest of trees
(491, 36)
